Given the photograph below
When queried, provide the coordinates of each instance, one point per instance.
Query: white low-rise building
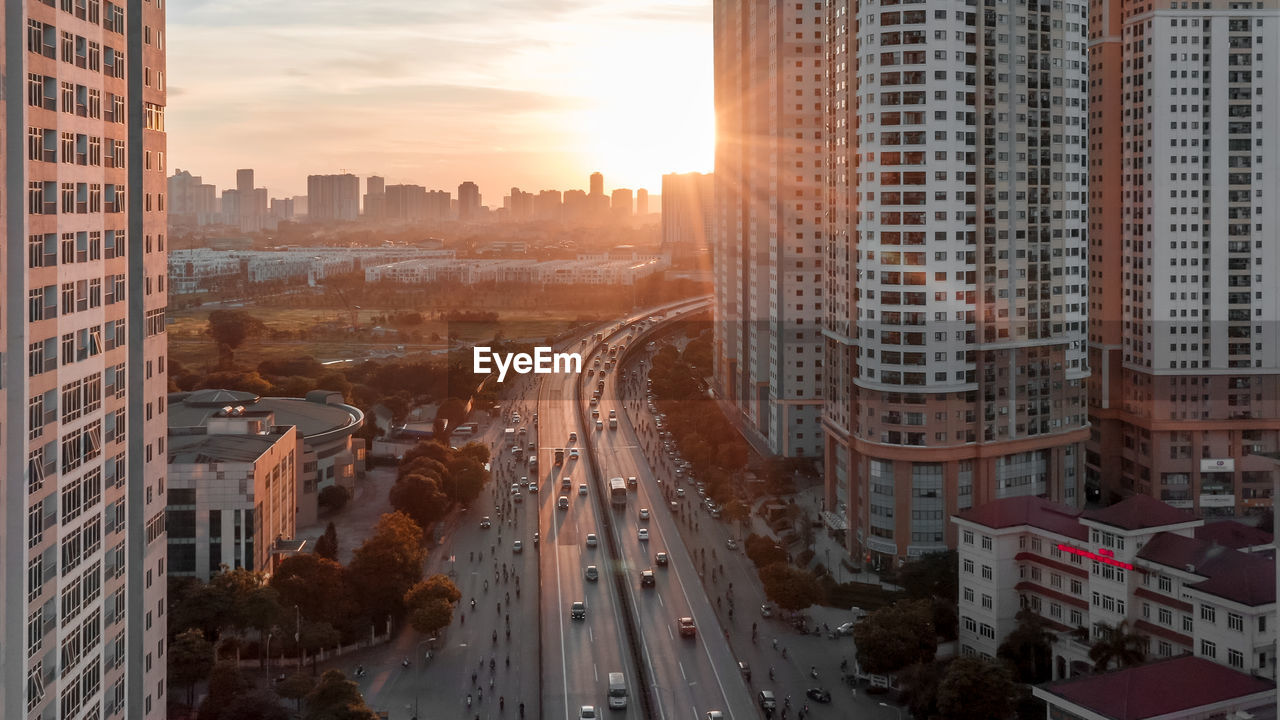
(1187, 586)
(586, 270)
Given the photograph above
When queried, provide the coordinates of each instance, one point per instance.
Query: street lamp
(894, 708)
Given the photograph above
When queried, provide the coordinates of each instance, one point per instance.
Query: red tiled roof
(1246, 578)
(1233, 534)
(1139, 511)
(1028, 586)
(1151, 628)
(1027, 510)
(1179, 551)
(1051, 563)
(1165, 600)
(1176, 685)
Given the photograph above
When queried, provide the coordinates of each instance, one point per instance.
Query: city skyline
(506, 107)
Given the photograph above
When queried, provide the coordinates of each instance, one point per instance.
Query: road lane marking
(683, 675)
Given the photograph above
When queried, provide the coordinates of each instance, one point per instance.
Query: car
(745, 669)
(582, 488)
(515, 488)
(533, 488)
(675, 506)
(485, 522)
(573, 437)
(731, 544)
(631, 482)
(766, 610)
(591, 371)
(592, 540)
(646, 578)
(595, 414)
(533, 447)
(715, 715)
(578, 610)
(515, 418)
(565, 483)
(573, 454)
(535, 539)
(644, 513)
(767, 701)
(613, 414)
(595, 401)
(518, 497)
(588, 712)
(599, 425)
(687, 628)
(517, 546)
(660, 559)
(714, 512)
(818, 695)
(845, 629)
(524, 481)
(562, 503)
(592, 573)
(643, 534)
(679, 492)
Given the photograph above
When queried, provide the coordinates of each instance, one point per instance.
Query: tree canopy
(896, 636)
(789, 587)
(387, 564)
(230, 328)
(975, 688)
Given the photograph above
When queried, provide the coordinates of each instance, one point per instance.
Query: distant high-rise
(406, 203)
(375, 198)
(439, 205)
(642, 202)
(771, 200)
(597, 183)
(621, 203)
(333, 197)
(468, 201)
(252, 203)
(84, 542)
(548, 204)
(688, 213)
(576, 207)
(191, 200)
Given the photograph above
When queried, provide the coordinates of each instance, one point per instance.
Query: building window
(1235, 659)
(1208, 649)
(1208, 613)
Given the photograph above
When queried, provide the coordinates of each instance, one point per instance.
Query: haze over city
(502, 92)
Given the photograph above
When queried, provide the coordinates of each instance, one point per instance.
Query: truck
(618, 492)
(509, 436)
(559, 456)
(617, 691)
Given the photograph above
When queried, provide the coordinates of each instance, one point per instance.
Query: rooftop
(1027, 510)
(1176, 685)
(319, 413)
(1246, 578)
(1233, 534)
(1138, 512)
(206, 449)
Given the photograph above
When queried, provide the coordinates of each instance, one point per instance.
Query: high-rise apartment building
(687, 213)
(621, 203)
(771, 199)
(597, 183)
(468, 201)
(405, 203)
(192, 201)
(375, 197)
(956, 315)
(332, 197)
(1183, 252)
(83, 380)
(642, 202)
(548, 205)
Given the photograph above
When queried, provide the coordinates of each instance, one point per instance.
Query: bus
(617, 691)
(618, 491)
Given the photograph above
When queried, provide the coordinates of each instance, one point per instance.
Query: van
(617, 691)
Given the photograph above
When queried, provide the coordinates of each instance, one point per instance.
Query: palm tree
(1119, 646)
(1028, 649)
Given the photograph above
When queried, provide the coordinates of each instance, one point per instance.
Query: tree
(934, 575)
(431, 616)
(398, 407)
(315, 636)
(421, 498)
(333, 498)
(763, 551)
(190, 660)
(1118, 646)
(255, 705)
(295, 687)
(229, 329)
(336, 698)
(226, 683)
(789, 587)
(327, 545)
(467, 478)
(387, 564)
(976, 689)
(1028, 648)
(231, 379)
(436, 587)
(896, 636)
(319, 587)
(453, 410)
(919, 683)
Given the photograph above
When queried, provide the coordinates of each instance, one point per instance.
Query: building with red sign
(1187, 586)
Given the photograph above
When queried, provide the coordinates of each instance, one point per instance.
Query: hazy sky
(529, 93)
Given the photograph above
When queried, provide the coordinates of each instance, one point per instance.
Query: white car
(582, 489)
(592, 573)
(517, 546)
(592, 541)
(573, 454)
(644, 513)
(643, 534)
(679, 492)
(588, 712)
